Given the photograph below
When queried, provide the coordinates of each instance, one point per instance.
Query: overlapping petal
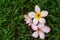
(42, 20)
(35, 21)
(28, 21)
(34, 27)
(40, 25)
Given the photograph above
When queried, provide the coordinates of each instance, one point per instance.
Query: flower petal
(40, 25)
(34, 27)
(30, 22)
(31, 14)
(45, 29)
(41, 35)
(35, 34)
(25, 16)
(44, 13)
(27, 21)
(42, 20)
(37, 9)
(35, 21)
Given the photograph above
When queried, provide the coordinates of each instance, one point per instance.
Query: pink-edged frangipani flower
(40, 30)
(38, 15)
(28, 20)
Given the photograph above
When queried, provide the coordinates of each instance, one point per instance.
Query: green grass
(12, 24)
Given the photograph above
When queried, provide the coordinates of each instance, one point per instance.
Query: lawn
(13, 26)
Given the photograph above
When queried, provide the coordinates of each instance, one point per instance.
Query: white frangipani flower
(38, 15)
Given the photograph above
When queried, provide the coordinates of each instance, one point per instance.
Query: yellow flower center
(38, 16)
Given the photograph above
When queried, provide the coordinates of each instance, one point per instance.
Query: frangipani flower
(40, 29)
(37, 15)
(28, 19)
(37, 22)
